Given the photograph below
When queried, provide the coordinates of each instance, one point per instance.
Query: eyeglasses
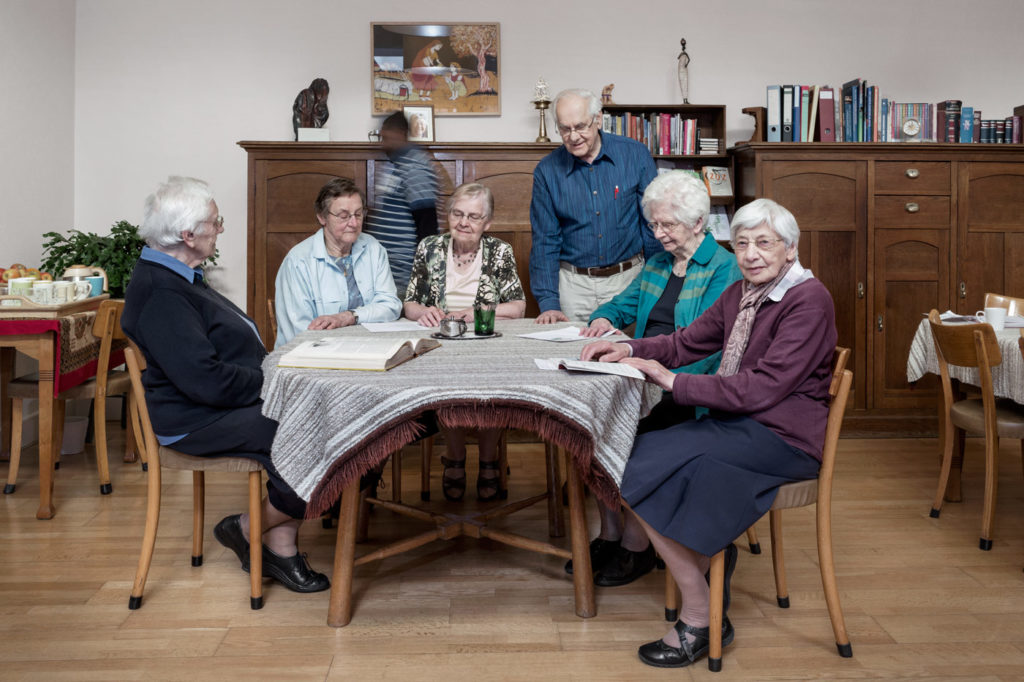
(345, 216)
(762, 244)
(217, 222)
(579, 128)
(474, 218)
(664, 227)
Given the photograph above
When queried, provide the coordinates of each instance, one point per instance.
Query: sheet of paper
(561, 335)
(396, 326)
(587, 366)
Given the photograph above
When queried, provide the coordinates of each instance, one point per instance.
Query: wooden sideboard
(894, 230)
(284, 178)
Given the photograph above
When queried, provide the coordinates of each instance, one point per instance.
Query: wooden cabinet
(285, 177)
(894, 230)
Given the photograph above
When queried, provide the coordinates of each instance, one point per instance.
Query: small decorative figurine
(684, 76)
(541, 101)
(310, 107)
(540, 91)
(606, 94)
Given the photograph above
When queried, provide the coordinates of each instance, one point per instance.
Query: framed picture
(452, 67)
(421, 122)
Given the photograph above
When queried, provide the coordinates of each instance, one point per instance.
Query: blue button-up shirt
(588, 214)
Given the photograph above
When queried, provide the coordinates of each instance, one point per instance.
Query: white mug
(67, 292)
(42, 292)
(993, 316)
(21, 286)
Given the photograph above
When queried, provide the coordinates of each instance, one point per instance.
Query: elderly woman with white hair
(675, 287)
(697, 485)
(203, 373)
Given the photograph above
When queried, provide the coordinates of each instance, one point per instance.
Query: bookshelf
(641, 122)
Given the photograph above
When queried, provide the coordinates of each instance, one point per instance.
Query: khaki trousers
(580, 295)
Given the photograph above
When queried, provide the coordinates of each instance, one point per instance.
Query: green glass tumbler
(483, 319)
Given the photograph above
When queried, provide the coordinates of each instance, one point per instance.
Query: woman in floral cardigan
(450, 274)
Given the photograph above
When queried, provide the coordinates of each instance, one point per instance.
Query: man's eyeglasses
(345, 216)
(762, 244)
(579, 128)
(474, 218)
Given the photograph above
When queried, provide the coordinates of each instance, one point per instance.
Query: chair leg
(426, 452)
(131, 449)
(946, 441)
(556, 519)
(826, 563)
(672, 598)
(715, 612)
(991, 484)
(255, 540)
(396, 476)
(198, 515)
(17, 415)
(99, 419)
(755, 546)
(778, 558)
(148, 537)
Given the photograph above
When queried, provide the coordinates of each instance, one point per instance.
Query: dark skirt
(702, 483)
(245, 432)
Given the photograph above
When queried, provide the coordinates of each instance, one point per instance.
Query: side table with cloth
(1007, 381)
(59, 338)
(334, 425)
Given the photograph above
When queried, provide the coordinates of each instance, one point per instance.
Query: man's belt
(604, 271)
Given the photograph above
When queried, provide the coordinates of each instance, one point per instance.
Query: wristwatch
(355, 316)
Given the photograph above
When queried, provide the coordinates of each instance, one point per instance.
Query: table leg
(47, 408)
(582, 576)
(6, 374)
(339, 613)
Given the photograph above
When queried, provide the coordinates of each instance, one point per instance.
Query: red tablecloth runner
(76, 354)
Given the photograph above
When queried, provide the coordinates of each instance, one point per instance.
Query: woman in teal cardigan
(675, 287)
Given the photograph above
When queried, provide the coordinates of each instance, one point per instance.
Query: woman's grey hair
(592, 100)
(472, 190)
(178, 205)
(773, 214)
(684, 195)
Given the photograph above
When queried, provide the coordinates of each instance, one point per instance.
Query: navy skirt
(702, 483)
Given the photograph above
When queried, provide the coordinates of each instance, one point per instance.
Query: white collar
(797, 274)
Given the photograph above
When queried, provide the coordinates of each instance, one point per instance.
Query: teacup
(96, 284)
(452, 327)
(66, 292)
(21, 286)
(993, 316)
(42, 292)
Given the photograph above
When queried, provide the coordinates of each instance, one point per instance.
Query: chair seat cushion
(797, 494)
(969, 415)
(172, 459)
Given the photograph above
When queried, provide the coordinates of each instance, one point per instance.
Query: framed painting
(452, 67)
(421, 122)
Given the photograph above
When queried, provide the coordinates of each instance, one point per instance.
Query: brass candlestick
(542, 105)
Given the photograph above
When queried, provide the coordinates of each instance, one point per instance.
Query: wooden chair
(791, 495)
(160, 457)
(272, 320)
(107, 328)
(973, 345)
(1014, 306)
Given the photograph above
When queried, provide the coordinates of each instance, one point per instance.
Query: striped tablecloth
(334, 425)
(1007, 377)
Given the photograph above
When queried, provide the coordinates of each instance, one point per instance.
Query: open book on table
(589, 366)
(368, 354)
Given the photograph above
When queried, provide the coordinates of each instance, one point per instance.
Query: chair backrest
(138, 411)
(1013, 305)
(107, 328)
(272, 317)
(965, 345)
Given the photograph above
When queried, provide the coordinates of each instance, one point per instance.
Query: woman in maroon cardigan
(698, 485)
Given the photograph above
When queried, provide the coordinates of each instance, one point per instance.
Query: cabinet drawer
(912, 177)
(911, 211)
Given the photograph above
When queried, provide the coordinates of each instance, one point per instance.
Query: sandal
(490, 482)
(453, 487)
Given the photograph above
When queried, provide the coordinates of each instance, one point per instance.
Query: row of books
(663, 134)
(857, 112)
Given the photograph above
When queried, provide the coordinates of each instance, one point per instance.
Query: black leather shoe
(229, 533)
(661, 655)
(293, 572)
(601, 552)
(625, 567)
(731, 554)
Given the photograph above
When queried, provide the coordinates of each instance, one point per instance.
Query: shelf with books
(670, 131)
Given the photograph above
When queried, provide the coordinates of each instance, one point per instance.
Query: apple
(17, 266)
(30, 272)
(45, 277)
(10, 273)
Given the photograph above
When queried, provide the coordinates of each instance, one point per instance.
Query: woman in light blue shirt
(338, 276)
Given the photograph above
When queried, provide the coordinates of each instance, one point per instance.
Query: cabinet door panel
(993, 197)
(911, 276)
(821, 194)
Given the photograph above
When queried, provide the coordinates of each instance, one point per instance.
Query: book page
(562, 335)
(344, 353)
(602, 368)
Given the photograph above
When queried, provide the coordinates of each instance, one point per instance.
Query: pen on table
(616, 191)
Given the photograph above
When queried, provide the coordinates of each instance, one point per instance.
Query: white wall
(37, 108)
(170, 87)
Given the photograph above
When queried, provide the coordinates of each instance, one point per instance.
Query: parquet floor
(921, 601)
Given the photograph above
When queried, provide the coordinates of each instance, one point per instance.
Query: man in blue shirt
(589, 238)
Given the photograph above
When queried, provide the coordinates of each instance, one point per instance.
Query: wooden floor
(921, 600)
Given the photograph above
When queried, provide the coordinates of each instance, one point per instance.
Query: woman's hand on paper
(604, 351)
(655, 372)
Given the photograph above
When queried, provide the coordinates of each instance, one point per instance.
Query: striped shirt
(588, 214)
(409, 185)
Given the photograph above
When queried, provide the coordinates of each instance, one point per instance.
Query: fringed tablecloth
(1007, 377)
(334, 425)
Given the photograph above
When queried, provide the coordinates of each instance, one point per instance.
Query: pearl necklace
(465, 259)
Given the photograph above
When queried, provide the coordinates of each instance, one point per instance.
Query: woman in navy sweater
(203, 374)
